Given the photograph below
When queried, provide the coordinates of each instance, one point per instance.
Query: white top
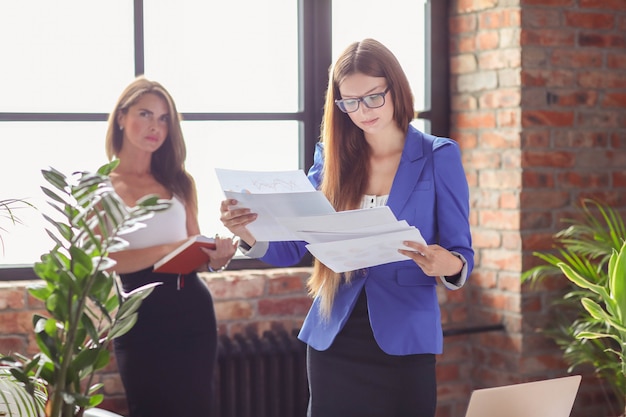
(165, 226)
(371, 201)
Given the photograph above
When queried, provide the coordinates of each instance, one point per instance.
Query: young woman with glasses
(373, 334)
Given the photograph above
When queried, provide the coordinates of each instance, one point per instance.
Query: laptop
(546, 398)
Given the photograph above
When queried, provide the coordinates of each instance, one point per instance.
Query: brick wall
(538, 93)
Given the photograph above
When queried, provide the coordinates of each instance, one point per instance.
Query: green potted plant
(85, 307)
(609, 312)
(584, 253)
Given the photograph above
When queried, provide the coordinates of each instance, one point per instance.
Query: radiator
(261, 376)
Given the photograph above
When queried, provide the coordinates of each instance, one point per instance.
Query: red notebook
(187, 257)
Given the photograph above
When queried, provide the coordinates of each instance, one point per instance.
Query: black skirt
(355, 378)
(167, 360)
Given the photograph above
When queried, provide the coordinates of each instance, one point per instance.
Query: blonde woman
(167, 359)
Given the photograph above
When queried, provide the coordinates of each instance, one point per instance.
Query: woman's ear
(120, 119)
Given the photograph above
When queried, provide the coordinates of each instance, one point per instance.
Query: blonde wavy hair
(168, 162)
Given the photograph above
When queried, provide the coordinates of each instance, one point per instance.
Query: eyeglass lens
(372, 101)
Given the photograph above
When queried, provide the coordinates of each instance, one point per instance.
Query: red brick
(597, 40)
(462, 64)
(474, 120)
(577, 179)
(539, 77)
(618, 140)
(547, 118)
(538, 241)
(576, 98)
(16, 322)
(547, 3)
(543, 363)
(508, 200)
(488, 40)
(602, 79)
(589, 20)
(614, 100)
(556, 159)
(233, 310)
(548, 37)
(447, 372)
(536, 179)
(603, 4)
(500, 59)
(498, 179)
(462, 24)
(13, 344)
(461, 102)
(511, 240)
(542, 18)
(581, 139)
(616, 61)
(286, 285)
(500, 18)
(619, 179)
(469, 6)
(227, 287)
(534, 138)
(499, 219)
(509, 97)
(509, 282)
(544, 199)
(508, 118)
(486, 159)
(284, 306)
(533, 220)
(12, 298)
(486, 238)
(463, 44)
(576, 58)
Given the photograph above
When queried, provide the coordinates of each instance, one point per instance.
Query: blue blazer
(430, 192)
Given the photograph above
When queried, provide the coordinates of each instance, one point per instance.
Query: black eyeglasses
(373, 101)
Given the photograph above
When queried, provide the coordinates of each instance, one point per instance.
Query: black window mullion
(139, 39)
(315, 28)
(437, 68)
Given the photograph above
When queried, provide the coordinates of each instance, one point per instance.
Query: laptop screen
(546, 398)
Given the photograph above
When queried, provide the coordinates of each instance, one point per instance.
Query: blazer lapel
(411, 165)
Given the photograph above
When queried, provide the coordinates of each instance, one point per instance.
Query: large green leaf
(581, 281)
(123, 326)
(617, 278)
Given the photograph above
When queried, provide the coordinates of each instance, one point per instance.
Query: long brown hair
(346, 153)
(168, 162)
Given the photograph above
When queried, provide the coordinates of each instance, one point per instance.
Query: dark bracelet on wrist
(244, 245)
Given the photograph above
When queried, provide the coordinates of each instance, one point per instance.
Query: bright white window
(399, 25)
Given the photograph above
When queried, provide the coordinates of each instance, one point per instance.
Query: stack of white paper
(272, 195)
(289, 208)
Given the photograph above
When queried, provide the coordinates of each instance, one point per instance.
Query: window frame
(315, 54)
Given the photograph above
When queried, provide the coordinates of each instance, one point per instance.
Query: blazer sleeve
(452, 201)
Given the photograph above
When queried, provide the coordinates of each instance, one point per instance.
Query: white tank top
(165, 226)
